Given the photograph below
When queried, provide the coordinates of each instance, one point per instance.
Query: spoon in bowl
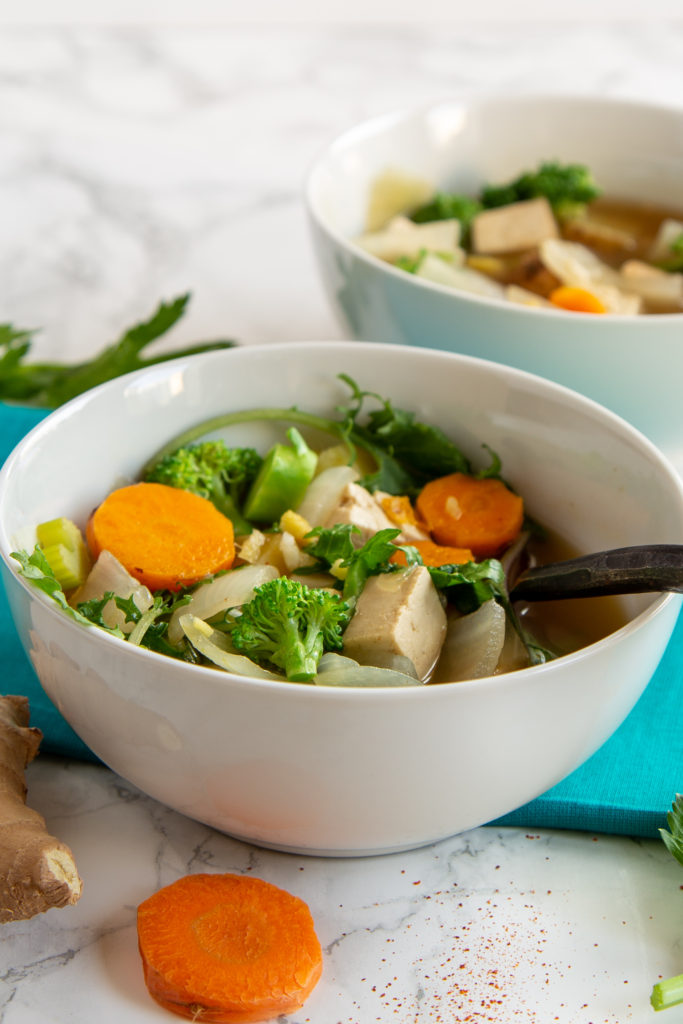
(631, 570)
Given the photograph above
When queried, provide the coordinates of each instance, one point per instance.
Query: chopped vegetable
(334, 550)
(65, 550)
(448, 206)
(434, 554)
(214, 471)
(165, 537)
(463, 511)
(670, 992)
(567, 187)
(51, 384)
(228, 948)
(282, 479)
(37, 871)
(577, 300)
(290, 625)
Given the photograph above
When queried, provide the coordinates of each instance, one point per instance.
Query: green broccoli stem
(301, 659)
(667, 993)
(305, 419)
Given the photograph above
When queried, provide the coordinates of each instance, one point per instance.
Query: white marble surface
(139, 163)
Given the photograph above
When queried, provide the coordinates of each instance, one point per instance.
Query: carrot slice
(228, 949)
(399, 509)
(165, 537)
(435, 554)
(576, 300)
(468, 512)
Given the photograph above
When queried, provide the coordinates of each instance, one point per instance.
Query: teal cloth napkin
(625, 788)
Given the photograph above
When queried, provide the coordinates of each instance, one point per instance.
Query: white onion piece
(215, 646)
(107, 574)
(228, 591)
(464, 279)
(323, 494)
(473, 644)
(336, 670)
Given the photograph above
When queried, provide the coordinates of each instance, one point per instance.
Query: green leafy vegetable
(567, 187)
(448, 206)
(213, 471)
(150, 627)
(333, 548)
(290, 626)
(49, 385)
(406, 451)
(670, 992)
(36, 569)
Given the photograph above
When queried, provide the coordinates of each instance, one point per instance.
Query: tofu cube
(513, 228)
(398, 613)
(357, 507)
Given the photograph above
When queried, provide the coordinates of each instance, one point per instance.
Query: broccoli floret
(290, 625)
(213, 471)
(567, 187)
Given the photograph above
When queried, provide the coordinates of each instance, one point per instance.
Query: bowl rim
(379, 123)
(657, 605)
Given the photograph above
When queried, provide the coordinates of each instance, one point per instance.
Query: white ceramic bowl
(634, 365)
(351, 771)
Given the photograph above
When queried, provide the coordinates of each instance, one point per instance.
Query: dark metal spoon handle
(633, 570)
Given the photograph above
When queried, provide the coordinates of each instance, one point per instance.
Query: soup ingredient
(213, 471)
(435, 554)
(670, 992)
(37, 871)
(398, 614)
(49, 385)
(65, 549)
(479, 513)
(513, 228)
(165, 537)
(567, 187)
(579, 300)
(290, 625)
(228, 948)
(216, 595)
(335, 552)
(281, 482)
(473, 644)
(108, 579)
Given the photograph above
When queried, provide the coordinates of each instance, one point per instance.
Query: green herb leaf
(49, 385)
(673, 839)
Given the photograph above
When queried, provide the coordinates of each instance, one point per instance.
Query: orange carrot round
(228, 949)
(166, 537)
(576, 300)
(468, 512)
(435, 554)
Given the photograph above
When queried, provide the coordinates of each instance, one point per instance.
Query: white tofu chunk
(398, 613)
(513, 228)
(358, 507)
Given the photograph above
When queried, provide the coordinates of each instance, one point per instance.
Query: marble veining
(141, 163)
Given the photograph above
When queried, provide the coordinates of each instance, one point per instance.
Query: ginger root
(37, 871)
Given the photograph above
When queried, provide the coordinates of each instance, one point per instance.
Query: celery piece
(667, 993)
(65, 551)
(282, 480)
